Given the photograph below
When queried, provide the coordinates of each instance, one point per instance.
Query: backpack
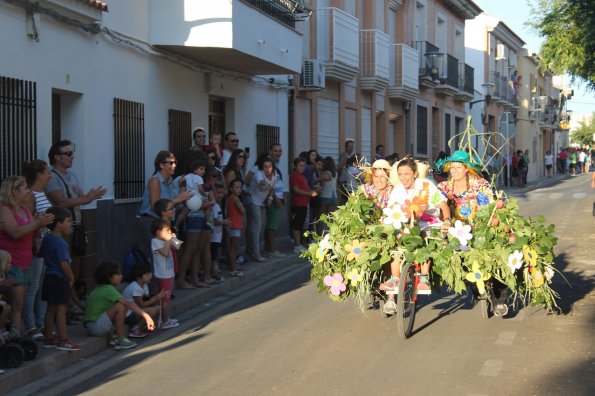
(134, 256)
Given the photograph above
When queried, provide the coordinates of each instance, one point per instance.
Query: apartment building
(124, 79)
(385, 72)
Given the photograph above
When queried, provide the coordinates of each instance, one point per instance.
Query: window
(265, 136)
(18, 124)
(447, 130)
(422, 130)
(180, 138)
(129, 131)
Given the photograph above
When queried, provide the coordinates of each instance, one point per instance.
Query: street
(286, 339)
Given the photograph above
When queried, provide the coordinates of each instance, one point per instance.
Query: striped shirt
(41, 202)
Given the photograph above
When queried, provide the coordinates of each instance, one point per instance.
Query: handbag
(268, 200)
(79, 235)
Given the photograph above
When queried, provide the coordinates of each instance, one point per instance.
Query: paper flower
(477, 277)
(482, 199)
(325, 242)
(515, 260)
(548, 273)
(530, 255)
(320, 254)
(336, 284)
(394, 215)
(537, 275)
(416, 207)
(461, 232)
(465, 210)
(354, 277)
(354, 249)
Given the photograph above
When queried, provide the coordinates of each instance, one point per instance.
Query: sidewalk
(50, 360)
(542, 182)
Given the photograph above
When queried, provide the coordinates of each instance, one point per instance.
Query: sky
(514, 13)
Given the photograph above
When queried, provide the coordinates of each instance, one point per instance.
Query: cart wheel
(30, 348)
(406, 301)
(11, 355)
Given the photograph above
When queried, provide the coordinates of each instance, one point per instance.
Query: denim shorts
(19, 275)
(234, 232)
(328, 201)
(196, 223)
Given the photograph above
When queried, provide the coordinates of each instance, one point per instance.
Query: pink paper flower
(336, 284)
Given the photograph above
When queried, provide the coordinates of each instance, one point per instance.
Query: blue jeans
(33, 307)
(258, 219)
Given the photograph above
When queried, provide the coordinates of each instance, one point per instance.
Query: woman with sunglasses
(160, 185)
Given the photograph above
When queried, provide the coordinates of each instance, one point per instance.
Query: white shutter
(366, 128)
(328, 128)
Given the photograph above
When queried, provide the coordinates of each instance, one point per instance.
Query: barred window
(265, 136)
(18, 124)
(180, 138)
(129, 129)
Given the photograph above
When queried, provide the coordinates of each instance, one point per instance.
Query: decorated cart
(497, 246)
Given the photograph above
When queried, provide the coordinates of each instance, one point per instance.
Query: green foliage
(568, 29)
(585, 132)
(357, 223)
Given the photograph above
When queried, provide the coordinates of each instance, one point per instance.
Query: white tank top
(330, 188)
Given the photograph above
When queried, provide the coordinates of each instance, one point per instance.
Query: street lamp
(488, 91)
(433, 62)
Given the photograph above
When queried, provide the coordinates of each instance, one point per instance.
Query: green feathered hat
(462, 157)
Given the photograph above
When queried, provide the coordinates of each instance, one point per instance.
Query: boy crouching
(106, 308)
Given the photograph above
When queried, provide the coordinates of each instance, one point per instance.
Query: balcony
(449, 82)
(338, 43)
(466, 83)
(503, 90)
(404, 76)
(232, 35)
(374, 60)
(495, 79)
(428, 73)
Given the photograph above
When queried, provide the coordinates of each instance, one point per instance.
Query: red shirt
(299, 180)
(21, 250)
(234, 215)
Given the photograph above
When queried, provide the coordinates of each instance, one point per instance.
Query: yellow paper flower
(354, 277)
(477, 277)
(354, 249)
(320, 253)
(538, 278)
(530, 255)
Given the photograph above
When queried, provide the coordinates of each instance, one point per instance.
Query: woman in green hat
(465, 189)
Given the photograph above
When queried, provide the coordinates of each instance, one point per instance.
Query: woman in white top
(37, 174)
(549, 163)
(328, 196)
(262, 187)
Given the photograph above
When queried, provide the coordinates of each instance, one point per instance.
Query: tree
(583, 135)
(568, 29)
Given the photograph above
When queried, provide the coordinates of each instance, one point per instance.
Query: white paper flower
(461, 232)
(394, 215)
(325, 242)
(515, 260)
(549, 273)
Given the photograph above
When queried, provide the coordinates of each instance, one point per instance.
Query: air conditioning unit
(312, 77)
(500, 52)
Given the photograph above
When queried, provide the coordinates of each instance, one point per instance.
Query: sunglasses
(235, 140)
(68, 153)
(169, 162)
(170, 209)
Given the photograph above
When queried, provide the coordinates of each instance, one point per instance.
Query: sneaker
(390, 285)
(240, 260)
(423, 287)
(501, 310)
(50, 343)
(137, 333)
(168, 325)
(67, 345)
(299, 249)
(390, 307)
(173, 320)
(277, 254)
(35, 335)
(259, 258)
(123, 343)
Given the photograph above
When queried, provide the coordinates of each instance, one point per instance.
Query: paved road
(289, 340)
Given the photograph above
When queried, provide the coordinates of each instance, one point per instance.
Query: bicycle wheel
(406, 301)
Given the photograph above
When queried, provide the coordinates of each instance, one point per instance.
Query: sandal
(236, 274)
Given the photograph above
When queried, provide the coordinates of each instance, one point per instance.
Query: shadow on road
(572, 286)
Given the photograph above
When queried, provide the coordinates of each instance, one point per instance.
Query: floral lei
(464, 205)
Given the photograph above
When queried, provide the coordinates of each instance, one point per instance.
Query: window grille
(180, 138)
(129, 129)
(18, 124)
(265, 136)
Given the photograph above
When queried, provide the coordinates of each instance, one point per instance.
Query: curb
(49, 361)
